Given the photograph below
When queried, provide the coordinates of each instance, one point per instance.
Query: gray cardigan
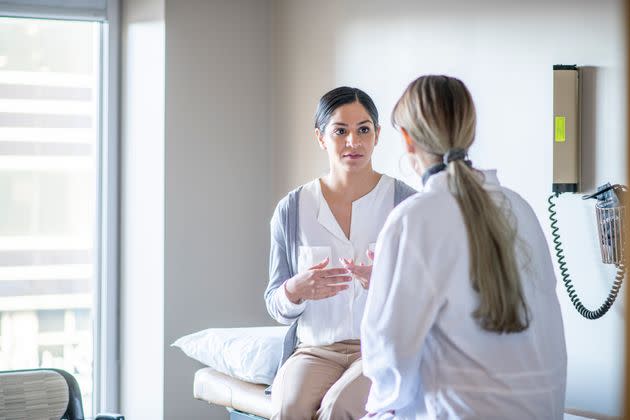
(284, 255)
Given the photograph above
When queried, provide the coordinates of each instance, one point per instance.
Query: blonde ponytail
(439, 115)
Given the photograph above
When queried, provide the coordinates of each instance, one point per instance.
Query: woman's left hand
(362, 272)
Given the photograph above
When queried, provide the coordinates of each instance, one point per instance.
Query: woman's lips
(353, 156)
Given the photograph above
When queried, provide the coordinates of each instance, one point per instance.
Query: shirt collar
(325, 216)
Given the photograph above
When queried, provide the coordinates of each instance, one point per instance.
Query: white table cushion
(218, 388)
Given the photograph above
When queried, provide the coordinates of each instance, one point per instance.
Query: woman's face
(349, 137)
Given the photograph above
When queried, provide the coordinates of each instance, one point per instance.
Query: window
(51, 321)
(57, 227)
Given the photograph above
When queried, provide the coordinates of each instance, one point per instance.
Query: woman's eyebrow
(359, 123)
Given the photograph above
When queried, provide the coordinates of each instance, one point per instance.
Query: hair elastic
(454, 154)
(450, 156)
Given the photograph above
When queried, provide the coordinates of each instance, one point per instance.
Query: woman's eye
(340, 131)
(364, 130)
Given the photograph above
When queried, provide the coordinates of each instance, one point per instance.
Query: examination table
(243, 400)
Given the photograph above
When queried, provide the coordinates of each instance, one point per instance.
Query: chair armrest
(109, 416)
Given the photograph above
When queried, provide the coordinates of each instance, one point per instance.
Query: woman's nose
(352, 140)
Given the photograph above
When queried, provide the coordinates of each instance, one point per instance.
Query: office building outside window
(50, 104)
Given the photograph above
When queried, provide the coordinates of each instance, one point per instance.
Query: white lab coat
(423, 351)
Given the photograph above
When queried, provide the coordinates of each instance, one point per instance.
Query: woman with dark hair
(473, 328)
(319, 273)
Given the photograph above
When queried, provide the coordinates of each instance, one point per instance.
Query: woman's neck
(351, 186)
(425, 161)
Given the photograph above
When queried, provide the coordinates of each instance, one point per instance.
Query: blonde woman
(462, 320)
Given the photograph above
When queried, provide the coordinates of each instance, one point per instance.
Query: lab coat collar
(439, 181)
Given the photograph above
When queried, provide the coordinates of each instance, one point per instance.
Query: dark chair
(42, 394)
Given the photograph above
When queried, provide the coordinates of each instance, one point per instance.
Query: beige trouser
(323, 382)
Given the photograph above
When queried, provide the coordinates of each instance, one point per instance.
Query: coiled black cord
(564, 271)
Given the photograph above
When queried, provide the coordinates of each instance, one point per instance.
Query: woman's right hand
(317, 283)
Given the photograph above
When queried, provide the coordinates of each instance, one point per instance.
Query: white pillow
(249, 354)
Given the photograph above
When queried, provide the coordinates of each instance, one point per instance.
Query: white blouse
(337, 318)
(423, 351)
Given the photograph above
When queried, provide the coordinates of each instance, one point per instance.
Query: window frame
(106, 325)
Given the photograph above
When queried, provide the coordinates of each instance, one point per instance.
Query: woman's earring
(407, 165)
(413, 161)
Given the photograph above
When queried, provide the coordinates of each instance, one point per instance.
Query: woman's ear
(409, 144)
(378, 133)
(320, 138)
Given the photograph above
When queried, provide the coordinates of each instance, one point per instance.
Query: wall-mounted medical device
(566, 126)
(610, 208)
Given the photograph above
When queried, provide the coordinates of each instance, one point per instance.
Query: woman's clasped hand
(318, 282)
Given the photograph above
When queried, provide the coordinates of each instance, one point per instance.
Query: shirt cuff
(287, 308)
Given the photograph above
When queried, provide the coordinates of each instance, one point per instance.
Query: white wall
(196, 181)
(218, 179)
(142, 210)
(504, 52)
